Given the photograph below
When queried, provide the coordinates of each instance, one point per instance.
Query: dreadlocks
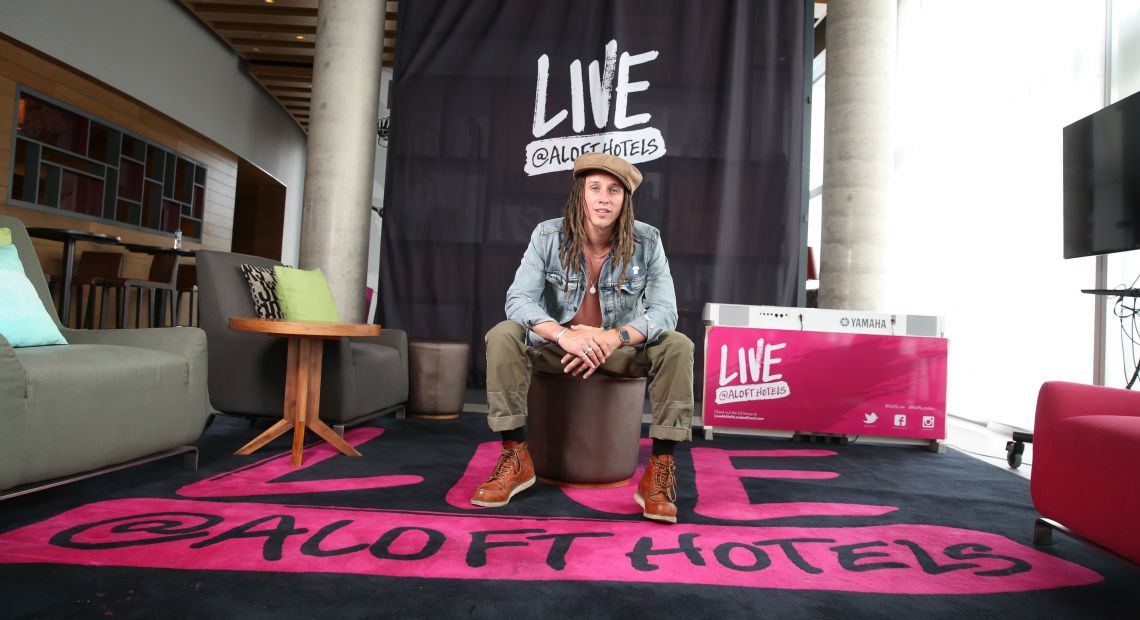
(574, 231)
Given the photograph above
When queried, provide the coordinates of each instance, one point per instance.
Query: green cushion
(305, 295)
(5, 237)
(23, 319)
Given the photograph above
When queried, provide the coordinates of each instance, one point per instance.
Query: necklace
(593, 289)
(598, 256)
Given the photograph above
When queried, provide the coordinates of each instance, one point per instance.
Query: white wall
(159, 53)
(1123, 268)
(983, 91)
(1125, 76)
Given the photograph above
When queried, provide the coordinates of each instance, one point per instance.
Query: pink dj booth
(825, 372)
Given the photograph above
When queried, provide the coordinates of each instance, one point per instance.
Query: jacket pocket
(557, 280)
(564, 288)
(631, 292)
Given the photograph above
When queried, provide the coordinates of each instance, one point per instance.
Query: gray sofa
(106, 398)
(360, 379)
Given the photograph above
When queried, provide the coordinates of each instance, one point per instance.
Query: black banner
(492, 101)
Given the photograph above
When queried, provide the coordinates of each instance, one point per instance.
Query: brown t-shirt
(590, 312)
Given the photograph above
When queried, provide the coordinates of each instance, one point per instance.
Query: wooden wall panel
(21, 66)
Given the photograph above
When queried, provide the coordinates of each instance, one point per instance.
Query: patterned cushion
(263, 289)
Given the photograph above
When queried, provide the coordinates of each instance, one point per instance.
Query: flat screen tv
(1101, 173)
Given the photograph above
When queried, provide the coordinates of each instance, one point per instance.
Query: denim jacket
(542, 291)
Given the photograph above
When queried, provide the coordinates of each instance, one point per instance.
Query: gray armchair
(105, 399)
(361, 377)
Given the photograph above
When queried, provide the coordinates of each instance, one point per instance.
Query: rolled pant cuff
(506, 422)
(671, 433)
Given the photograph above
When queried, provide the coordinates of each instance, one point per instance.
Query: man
(593, 293)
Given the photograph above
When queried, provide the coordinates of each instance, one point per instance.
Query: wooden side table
(302, 378)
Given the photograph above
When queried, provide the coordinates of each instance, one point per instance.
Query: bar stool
(187, 285)
(53, 287)
(96, 270)
(160, 285)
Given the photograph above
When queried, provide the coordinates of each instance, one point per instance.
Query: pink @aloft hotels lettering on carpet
(465, 542)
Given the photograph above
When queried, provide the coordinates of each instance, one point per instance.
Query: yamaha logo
(864, 323)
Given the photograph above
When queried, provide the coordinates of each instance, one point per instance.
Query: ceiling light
(300, 37)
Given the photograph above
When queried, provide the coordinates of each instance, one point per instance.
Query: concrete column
(342, 147)
(857, 160)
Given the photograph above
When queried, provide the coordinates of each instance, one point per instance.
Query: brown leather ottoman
(584, 433)
(437, 377)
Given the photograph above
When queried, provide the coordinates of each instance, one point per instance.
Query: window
(66, 160)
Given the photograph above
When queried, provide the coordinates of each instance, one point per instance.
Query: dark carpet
(769, 528)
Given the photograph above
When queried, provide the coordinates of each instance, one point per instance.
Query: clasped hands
(587, 349)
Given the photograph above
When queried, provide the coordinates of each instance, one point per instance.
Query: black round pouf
(584, 432)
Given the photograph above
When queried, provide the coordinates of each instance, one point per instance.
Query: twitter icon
(870, 418)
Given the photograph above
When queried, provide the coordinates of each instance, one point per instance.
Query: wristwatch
(623, 333)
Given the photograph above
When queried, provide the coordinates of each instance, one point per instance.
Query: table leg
(65, 286)
(330, 436)
(290, 409)
(273, 432)
(301, 374)
(292, 358)
(302, 402)
(312, 350)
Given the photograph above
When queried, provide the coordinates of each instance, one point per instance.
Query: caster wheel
(1013, 452)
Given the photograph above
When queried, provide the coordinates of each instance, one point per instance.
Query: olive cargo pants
(668, 363)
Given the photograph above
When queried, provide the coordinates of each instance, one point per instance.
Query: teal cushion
(23, 319)
(305, 295)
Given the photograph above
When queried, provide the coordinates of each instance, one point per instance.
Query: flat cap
(625, 172)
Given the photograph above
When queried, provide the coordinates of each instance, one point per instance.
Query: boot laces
(665, 480)
(508, 464)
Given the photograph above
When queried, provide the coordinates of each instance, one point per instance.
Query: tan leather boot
(657, 489)
(513, 473)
